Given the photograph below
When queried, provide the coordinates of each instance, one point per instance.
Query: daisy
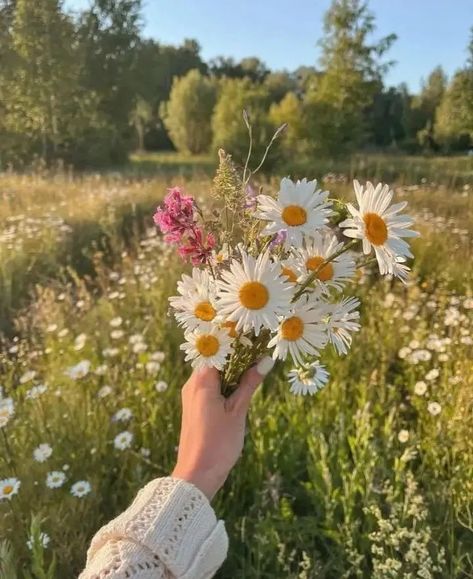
(299, 210)
(78, 371)
(104, 391)
(380, 227)
(290, 270)
(434, 408)
(7, 410)
(36, 391)
(403, 436)
(342, 321)
(122, 415)
(207, 346)
(55, 479)
(42, 452)
(161, 386)
(318, 250)
(308, 380)
(9, 487)
(253, 293)
(80, 489)
(123, 440)
(196, 304)
(301, 333)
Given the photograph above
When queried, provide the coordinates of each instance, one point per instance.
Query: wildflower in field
(302, 332)
(317, 250)
(117, 334)
(404, 352)
(36, 391)
(78, 371)
(101, 370)
(434, 408)
(308, 379)
(432, 374)
(207, 346)
(299, 210)
(110, 352)
(380, 227)
(122, 415)
(253, 294)
(177, 216)
(342, 322)
(196, 302)
(116, 322)
(104, 391)
(27, 376)
(55, 479)
(468, 303)
(42, 452)
(420, 388)
(80, 489)
(7, 410)
(403, 436)
(51, 328)
(421, 355)
(146, 452)
(63, 333)
(161, 386)
(44, 540)
(153, 367)
(139, 347)
(158, 356)
(9, 487)
(79, 342)
(123, 440)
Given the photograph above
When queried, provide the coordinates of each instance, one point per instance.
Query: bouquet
(270, 271)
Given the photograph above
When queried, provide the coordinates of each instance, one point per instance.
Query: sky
(284, 33)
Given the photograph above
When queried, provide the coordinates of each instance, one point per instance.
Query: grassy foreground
(373, 477)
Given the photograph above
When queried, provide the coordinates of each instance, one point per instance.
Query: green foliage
(454, 119)
(188, 112)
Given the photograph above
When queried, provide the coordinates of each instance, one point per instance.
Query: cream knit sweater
(169, 531)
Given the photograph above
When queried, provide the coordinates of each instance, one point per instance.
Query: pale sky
(284, 33)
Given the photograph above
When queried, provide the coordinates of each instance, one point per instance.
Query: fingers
(241, 398)
(206, 378)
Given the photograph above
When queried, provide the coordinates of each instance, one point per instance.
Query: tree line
(87, 88)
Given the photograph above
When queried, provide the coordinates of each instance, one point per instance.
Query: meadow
(372, 477)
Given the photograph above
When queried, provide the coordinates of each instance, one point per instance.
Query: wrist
(200, 479)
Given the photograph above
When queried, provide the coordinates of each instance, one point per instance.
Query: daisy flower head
(122, 415)
(207, 346)
(290, 270)
(196, 302)
(7, 410)
(9, 487)
(299, 210)
(308, 379)
(302, 332)
(253, 293)
(42, 452)
(380, 227)
(55, 479)
(80, 489)
(343, 320)
(317, 250)
(123, 440)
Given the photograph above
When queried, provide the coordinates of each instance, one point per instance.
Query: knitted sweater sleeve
(169, 531)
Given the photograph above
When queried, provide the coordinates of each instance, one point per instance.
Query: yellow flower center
(204, 311)
(290, 274)
(294, 215)
(207, 345)
(7, 490)
(376, 230)
(253, 295)
(292, 328)
(230, 326)
(325, 273)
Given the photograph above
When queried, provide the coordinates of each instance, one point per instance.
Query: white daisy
(123, 440)
(309, 379)
(253, 293)
(207, 346)
(161, 386)
(196, 302)
(420, 388)
(318, 250)
(158, 356)
(290, 270)
(104, 391)
(342, 321)
(403, 436)
(299, 210)
(434, 408)
(7, 410)
(9, 487)
(36, 391)
(42, 452)
(55, 479)
(44, 540)
(301, 333)
(27, 376)
(380, 227)
(80, 489)
(122, 415)
(78, 371)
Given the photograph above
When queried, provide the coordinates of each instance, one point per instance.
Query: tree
(140, 117)
(188, 112)
(352, 74)
(290, 111)
(229, 130)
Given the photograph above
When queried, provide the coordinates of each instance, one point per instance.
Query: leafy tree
(140, 117)
(251, 67)
(229, 130)
(188, 112)
(280, 84)
(352, 74)
(290, 110)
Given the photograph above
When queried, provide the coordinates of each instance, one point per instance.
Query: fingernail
(265, 365)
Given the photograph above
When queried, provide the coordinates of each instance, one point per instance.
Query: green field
(327, 486)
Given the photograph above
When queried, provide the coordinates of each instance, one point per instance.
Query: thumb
(241, 398)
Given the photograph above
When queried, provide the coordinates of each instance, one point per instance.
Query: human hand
(213, 427)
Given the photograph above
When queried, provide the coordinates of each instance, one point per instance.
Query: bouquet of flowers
(269, 271)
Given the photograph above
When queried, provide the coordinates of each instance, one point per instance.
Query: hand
(213, 427)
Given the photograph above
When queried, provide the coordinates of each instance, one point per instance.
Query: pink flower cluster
(177, 220)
